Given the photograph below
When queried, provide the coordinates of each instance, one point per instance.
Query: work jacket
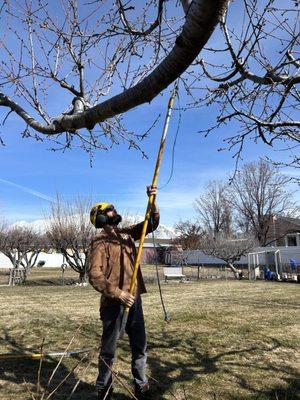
(111, 261)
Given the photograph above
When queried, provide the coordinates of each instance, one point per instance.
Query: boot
(105, 393)
(142, 393)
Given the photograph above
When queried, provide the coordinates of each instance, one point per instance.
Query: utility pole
(274, 229)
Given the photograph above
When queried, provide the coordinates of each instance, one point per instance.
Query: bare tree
(229, 250)
(256, 81)
(129, 219)
(93, 49)
(214, 208)
(81, 50)
(259, 192)
(189, 235)
(69, 231)
(21, 245)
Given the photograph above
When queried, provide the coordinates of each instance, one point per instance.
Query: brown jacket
(111, 261)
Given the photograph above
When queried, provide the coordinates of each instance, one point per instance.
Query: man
(111, 263)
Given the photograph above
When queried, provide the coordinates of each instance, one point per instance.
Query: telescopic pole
(150, 205)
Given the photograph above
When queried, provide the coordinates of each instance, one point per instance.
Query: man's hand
(126, 298)
(151, 190)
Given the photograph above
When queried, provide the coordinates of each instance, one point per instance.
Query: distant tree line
(67, 231)
(231, 218)
(236, 215)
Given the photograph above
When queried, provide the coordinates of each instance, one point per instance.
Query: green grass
(226, 339)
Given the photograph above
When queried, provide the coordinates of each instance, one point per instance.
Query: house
(285, 232)
(154, 252)
(282, 254)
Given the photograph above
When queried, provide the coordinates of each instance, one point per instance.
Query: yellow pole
(149, 206)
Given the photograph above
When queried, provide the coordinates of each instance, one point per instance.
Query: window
(291, 240)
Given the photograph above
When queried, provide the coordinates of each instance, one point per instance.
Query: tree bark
(82, 276)
(234, 270)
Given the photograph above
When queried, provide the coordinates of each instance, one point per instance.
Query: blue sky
(31, 174)
(118, 176)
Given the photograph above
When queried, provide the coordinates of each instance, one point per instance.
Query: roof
(295, 221)
(157, 243)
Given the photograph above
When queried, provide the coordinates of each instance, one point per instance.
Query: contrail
(27, 190)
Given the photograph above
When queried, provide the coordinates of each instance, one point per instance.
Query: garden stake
(149, 206)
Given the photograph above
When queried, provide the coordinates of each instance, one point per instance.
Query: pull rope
(174, 145)
(166, 317)
(150, 204)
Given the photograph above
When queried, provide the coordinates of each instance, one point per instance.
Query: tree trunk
(82, 277)
(235, 271)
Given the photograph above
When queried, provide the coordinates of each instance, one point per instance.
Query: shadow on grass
(18, 371)
(50, 282)
(289, 390)
(182, 366)
(22, 370)
(188, 364)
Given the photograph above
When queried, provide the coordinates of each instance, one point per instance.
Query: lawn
(226, 339)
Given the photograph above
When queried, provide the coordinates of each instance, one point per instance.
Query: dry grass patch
(226, 339)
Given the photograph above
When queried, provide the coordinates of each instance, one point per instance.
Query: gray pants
(111, 317)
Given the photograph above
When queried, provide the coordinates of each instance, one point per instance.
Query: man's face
(111, 211)
(113, 217)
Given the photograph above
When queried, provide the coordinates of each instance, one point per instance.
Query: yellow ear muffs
(97, 212)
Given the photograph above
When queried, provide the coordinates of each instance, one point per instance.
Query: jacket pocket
(107, 261)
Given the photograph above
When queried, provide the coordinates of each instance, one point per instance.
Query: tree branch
(269, 79)
(200, 23)
(216, 79)
(292, 59)
(134, 32)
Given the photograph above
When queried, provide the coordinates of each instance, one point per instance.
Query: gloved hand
(151, 190)
(126, 298)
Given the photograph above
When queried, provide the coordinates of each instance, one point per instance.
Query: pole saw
(150, 205)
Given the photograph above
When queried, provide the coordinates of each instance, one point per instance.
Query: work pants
(111, 317)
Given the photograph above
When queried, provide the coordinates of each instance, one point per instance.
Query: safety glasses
(110, 208)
